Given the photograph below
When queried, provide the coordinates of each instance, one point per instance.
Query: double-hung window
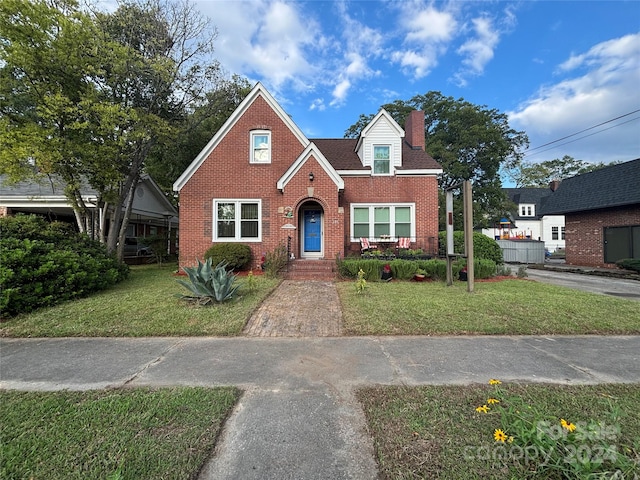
(260, 146)
(237, 220)
(554, 233)
(527, 210)
(381, 159)
(380, 220)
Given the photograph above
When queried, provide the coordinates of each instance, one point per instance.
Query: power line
(585, 130)
(579, 138)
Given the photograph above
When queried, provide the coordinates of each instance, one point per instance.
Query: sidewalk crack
(152, 362)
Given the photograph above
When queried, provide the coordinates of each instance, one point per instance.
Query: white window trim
(237, 238)
(373, 159)
(256, 133)
(524, 207)
(392, 222)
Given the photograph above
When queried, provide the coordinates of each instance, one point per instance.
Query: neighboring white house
(526, 221)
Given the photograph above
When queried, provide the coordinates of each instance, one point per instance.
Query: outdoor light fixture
(311, 176)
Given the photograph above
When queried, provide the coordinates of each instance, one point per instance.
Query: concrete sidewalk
(298, 417)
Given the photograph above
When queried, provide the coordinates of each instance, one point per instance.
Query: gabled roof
(311, 150)
(341, 153)
(258, 91)
(612, 186)
(380, 115)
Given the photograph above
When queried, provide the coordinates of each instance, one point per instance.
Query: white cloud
(317, 104)
(478, 51)
(270, 40)
(428, 34)
(430, 26)
(360, 44)
(600, 85)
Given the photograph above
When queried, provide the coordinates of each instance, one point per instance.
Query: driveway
(616, 287)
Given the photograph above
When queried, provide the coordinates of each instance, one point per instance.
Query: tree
(530, 174)
(471, 142)
(167, 162)
(89, 96)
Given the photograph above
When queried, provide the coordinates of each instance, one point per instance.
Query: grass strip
(509, 307)
(436, 432)
(119, 434)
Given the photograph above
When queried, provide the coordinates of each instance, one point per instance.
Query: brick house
(602, 214)
(262, 182)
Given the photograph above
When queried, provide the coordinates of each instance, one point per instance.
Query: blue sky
(554, 67)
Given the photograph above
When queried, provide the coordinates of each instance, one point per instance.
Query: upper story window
(381, 159)
(260, 146)
(527, 210)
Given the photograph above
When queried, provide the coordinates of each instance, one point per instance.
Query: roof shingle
(340, 152)
(612, 186)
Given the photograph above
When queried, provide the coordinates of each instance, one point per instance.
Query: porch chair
(365, 246)
(403, 244)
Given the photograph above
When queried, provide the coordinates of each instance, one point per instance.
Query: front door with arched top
(312, 233)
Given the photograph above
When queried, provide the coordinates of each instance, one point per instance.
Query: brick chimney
(414, 129)
(554, 184)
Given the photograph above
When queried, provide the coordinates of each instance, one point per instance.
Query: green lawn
(422, 432)
(146, 305)
(143, 305)
(436, 432)
(111, 434)
(510, 307)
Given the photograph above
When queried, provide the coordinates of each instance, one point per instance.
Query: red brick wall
(584, 233)
(421, 190)
(227, 173)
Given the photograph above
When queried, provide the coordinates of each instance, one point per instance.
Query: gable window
(237, 220)
(260, 146)
(381, 159)
(554, 233)
(377, 220)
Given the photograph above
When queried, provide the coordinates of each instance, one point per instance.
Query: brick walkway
(298, 309)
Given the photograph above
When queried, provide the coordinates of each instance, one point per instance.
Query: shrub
(275, 260)
(55, 265)
(483, 247)
(236, 255)
(629, 264)
(405, 269)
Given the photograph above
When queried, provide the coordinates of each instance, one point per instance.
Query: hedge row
(42, 264)
(406, 269)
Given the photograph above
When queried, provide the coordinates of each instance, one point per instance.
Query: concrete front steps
(300, 269)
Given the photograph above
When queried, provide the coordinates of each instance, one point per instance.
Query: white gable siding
(381, 133)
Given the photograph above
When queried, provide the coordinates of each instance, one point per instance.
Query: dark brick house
(262, 182)
(602, 214)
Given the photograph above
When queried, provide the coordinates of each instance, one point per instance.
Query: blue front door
(312, 231)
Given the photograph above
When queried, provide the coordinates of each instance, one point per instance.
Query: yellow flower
(492, 401)
(510, 439)
(493, 381)
(482, 409)
(567, 425)
(499, 435)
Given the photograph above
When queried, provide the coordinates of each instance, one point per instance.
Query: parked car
(134, 247)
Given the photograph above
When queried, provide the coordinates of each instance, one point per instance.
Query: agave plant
(208, 284)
